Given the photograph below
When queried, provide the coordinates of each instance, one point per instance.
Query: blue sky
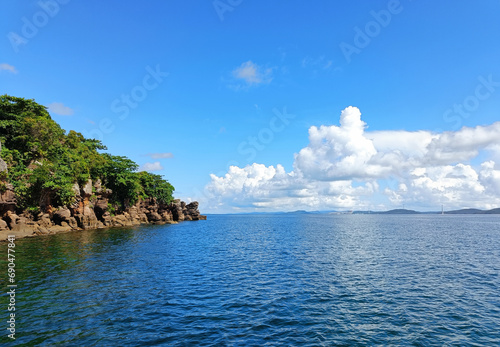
(182, 88)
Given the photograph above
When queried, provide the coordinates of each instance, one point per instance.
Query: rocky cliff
(90, 210)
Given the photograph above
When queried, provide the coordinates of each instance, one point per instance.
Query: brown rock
(72, 222)
(42, 231)
(11, 218)
(3, 165)
(100, 208)
(44, 220)
(3, 225)
(120, 221)
(76, 190)
(106, 219)
(61, 215)
(7, 199)
(154, 217)
(167, 216)
(24, 227)
(98, 186)
(143, 218)
(87, 220)
(59, 228)
(87, 188)
(177, 208)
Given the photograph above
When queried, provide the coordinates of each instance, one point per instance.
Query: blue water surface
(263, 280)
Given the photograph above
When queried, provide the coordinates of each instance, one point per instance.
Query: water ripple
(313, 280)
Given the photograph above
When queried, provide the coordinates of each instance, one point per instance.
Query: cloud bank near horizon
(346, 167)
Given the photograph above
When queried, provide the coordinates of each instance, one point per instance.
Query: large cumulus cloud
(344, 166)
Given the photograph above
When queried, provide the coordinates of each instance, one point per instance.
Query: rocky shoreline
(91, 210)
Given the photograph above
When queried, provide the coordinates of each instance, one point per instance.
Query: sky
(250, 106)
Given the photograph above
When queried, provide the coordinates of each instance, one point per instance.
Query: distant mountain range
(395, 211)
(405, 211)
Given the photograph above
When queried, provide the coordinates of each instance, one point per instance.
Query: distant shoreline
(467, 211)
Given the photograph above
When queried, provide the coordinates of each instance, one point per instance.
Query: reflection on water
(270, 279)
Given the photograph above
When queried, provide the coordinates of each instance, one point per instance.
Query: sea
(260, 280)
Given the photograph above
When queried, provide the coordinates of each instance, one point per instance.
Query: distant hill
(492, 211)
(465, 211)
(399, 211)
(395, 211)
(474, 211)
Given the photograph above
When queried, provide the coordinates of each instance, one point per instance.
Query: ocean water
(262, 280)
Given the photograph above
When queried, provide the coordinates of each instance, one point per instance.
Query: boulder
(100, 208)
(87, 219)
(87, 188)
(106, 219)
(42, 231)
(3, 164)
(177, 208)
(120, 221)
(143, 218)
(72, 223)
(59, 228)
(98, 186)
(154, 217)
(3, 225)
(24, 227)
(76, 190)
(192, 211)
(12, 219)
(167, 216)
(44, 220)
(8, 200)
(61, 215)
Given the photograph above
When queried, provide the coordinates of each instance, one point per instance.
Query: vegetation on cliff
(44, 162)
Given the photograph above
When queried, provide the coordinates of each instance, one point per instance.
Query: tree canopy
(43, 159)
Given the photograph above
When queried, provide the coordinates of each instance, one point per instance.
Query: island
(55, 181)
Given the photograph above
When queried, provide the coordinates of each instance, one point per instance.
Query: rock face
(7, 199)
(88, 212)
(3, 165)
(7, 196)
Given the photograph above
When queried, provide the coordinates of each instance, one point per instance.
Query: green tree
(119, 174)
(154, 186)
(45, 160)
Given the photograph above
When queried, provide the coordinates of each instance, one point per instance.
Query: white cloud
(164, 155)
(490, 178)
(253, 74)
(60, 109)
(339, 152)
(7, 67)
(156, 166)
(343, 167)
(317, 64)
(455, 186)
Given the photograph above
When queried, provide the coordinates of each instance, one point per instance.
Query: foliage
(119, 174)
(41, 157)
(154, 186)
